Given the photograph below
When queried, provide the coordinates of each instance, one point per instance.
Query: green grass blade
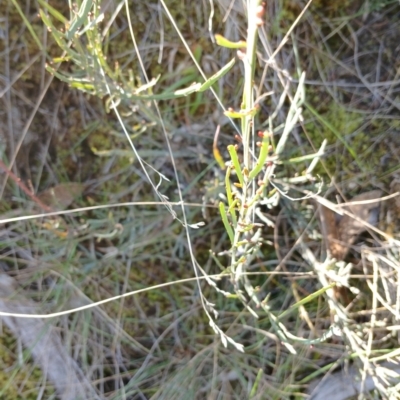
(209, 82)
(328, 125)
(28, 25)
(52, 11)
(256, 383)
(306, 300)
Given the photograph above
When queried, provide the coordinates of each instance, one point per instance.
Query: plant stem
(249, 68)
(238, 261)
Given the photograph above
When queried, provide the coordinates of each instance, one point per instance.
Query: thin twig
(23, 187)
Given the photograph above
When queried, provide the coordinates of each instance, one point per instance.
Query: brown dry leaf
(61, 196)
(395, 188)
(349, 228)
(340, 234)
(393, 209)
(329, 231)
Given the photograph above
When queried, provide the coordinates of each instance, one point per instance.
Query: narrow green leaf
(80, 18)
(234, 114)
(231, 201)
(55, 13)
(223, 42)
(28, 25)
(168, 95)
(148, 85)
(83, 86)
(59, 60)
(197, 52)
(256, 383)
(306, 300)
(62, 76)
(236, 164)
(242, 113)
(233, 205)
(314, 162)
(209, 82)
(182, 82)
(184, 92)
(224, 217)
(261, 158)
(59, 38)
(307, 157)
